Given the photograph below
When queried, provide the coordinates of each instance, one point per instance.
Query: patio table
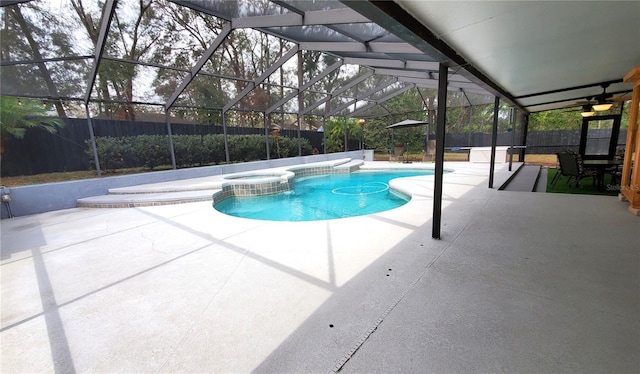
(600, 167)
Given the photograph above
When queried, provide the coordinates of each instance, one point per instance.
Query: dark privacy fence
(66, 150)
(553, 141)
(539, 142)
(478, 139)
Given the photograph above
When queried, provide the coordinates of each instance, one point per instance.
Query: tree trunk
(35, 48)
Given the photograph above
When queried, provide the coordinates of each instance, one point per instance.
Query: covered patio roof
(542, 55)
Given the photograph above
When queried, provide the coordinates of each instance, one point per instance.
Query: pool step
(196, 184)
(164, 193)
(176, 192)
(352, 165)
(145, 199)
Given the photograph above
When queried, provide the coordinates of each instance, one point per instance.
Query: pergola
(534, 56)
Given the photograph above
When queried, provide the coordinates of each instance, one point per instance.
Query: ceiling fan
(599, 103)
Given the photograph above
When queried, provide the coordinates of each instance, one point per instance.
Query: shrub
(214, 148)
(113, 153)
(189, 150)
(245, 148)
(280, 147)
(152, 151)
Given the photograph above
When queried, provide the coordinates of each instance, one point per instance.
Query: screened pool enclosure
(273, 65)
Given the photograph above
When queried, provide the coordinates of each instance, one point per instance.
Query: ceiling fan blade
(625, 97)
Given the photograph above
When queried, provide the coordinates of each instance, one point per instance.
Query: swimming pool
(323, 197)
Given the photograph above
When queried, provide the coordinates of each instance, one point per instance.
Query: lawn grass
(25, 180)
(417, 156)
(542, 160)
(531, 159)
(586, 185)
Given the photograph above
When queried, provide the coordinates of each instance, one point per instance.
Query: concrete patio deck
(520, 283)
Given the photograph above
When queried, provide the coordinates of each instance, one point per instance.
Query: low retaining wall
(48, 197)
(483, 154)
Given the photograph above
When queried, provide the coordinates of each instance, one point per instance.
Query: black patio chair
(572, 168)
(560, 173)
(615, 171)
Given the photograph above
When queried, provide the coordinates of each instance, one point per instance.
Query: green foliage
(113, 153)
(32, 31)
(409, 106)
(555, 120)
(376, 135)
(213, 148)
(18, 115)
(626, 113)
(282, 147)
(189, 150)
(335, 129)
(247, 147)
(460, 119)
(412, 138)
(477, 118)
(563, 119)
(152, 151)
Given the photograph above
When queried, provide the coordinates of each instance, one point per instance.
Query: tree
(244, 54)
(137, 33)
(335, 133)
(32, 33)
(408, 105)
(19, 115)
(560, 119)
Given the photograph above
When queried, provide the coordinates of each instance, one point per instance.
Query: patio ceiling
(542, 54)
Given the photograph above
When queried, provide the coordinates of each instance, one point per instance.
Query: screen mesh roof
(254, 55)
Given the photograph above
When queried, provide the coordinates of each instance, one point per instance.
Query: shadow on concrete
(60, 352)
(254, 256)
(410, 275)
(341, 326)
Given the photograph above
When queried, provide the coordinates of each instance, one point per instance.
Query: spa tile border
(276, 184)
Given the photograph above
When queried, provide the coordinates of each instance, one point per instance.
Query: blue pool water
(324, 197)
